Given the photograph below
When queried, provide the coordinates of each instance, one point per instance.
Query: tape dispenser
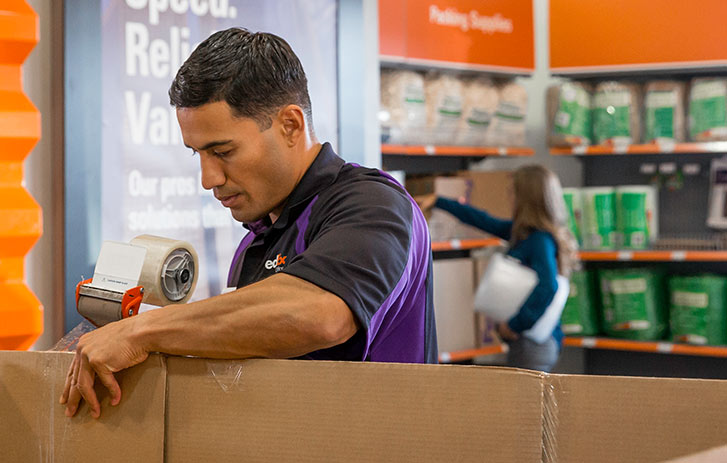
(149, 269)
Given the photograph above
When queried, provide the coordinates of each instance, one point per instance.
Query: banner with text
(492, 35)
(150, 182)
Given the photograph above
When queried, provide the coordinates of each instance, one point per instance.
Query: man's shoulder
(367, 185)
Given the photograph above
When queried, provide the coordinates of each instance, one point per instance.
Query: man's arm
(279, 317)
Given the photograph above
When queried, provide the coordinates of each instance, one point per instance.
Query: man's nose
(212, 173)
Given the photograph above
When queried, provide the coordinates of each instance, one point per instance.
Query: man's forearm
(279, 317)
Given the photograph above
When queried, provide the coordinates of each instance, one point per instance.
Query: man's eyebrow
(211, 144)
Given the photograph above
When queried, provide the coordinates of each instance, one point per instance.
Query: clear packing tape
(550, 419)
(163, 257)
(69, 342)
(165, 269)
(227, 374)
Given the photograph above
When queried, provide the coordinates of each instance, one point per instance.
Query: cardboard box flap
(607, 419)
(286, 410)
(34, 427)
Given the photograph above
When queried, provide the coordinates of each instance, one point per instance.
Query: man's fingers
(86, 377)
(69, 380)
(74, 397)
(109, 380)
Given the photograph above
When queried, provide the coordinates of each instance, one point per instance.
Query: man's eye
(221, 154)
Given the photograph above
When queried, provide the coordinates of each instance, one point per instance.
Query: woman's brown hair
(539, 205)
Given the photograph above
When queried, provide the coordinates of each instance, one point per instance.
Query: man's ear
(292, 123)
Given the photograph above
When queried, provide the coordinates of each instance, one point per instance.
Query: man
(337, 264)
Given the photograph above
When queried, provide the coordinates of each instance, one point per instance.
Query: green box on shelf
(574, 206)
(580, 315)
(697, 309)
(634, 303)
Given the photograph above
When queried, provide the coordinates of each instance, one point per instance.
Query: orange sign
(489, 35)
(603, 36)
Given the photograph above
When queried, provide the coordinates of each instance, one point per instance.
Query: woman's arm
(476, 217)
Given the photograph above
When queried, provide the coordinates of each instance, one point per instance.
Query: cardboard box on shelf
(487, 190)
(442, 225)
(490, 190)
(454, 304)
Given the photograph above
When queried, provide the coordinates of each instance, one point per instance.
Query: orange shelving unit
(432, 150)
(654, 256)
(457, 245)
(21, 314)
(469, 354)
(651, 148)
(661, 347)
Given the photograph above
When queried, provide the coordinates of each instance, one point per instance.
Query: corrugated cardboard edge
(550, 420)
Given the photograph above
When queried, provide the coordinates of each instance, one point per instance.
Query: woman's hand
(426, 202)
(506, 333)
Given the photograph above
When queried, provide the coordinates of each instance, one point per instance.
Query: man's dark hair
(255, 73)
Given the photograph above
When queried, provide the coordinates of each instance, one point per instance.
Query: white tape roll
(170, 270)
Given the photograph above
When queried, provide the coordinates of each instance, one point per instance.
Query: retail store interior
(621, 105)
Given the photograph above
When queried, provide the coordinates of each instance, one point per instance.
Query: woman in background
(540, 239)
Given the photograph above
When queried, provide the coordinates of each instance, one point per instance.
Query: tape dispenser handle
(131, 301)
(78, 288)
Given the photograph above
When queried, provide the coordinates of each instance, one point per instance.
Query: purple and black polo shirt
(356, 233)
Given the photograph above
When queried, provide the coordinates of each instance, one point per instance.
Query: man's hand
(101, 353)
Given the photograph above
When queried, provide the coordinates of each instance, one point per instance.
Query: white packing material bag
(543, 328)
(504, 288)
(443, 98)
(403, 113)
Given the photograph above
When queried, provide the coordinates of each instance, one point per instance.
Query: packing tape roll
(170, 270)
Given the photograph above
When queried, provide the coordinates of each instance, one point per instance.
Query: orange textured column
(21, 314)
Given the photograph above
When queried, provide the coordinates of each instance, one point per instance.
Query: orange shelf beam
(661, 347)
(431, 150)
(469, 354)
(649, 148)
(456, 245)
(654, 256)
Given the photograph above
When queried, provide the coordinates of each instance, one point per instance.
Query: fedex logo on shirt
(276, 263)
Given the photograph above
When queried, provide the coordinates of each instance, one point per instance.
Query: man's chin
(245, 216)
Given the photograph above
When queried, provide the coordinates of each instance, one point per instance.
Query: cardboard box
(183, 409)
(490, 190)
(442, 225)
(33, 426)
(454, 304)
(715, 455)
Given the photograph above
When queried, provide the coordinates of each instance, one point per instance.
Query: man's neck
(309, 154)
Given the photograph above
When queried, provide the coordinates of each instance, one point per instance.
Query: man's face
(251, 172)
